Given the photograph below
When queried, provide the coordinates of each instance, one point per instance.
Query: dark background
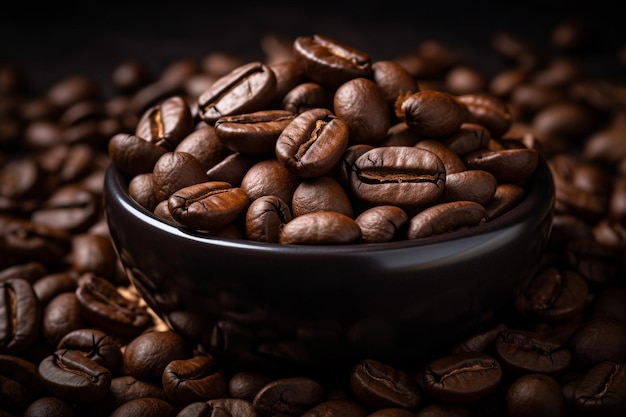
(49, 43)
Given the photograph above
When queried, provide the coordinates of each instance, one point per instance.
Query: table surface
(50, 43)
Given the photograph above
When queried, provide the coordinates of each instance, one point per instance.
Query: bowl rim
(539, 189)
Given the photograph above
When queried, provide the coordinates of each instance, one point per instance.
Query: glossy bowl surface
(270, 304)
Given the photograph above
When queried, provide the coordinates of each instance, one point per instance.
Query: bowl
(272, 306)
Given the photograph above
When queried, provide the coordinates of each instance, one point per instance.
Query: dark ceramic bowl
(272, 305)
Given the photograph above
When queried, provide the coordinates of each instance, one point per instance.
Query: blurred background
(50, 42)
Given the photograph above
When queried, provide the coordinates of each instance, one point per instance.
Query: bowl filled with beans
(325, 207)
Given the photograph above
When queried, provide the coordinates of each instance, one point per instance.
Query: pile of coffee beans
(327, 147)
(77, 339)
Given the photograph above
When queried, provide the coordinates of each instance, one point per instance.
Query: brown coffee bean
(470, 185)
(602, 390)
(462, 378)
(94, 344)
(245, 384)
(431, 113)
(329, 62)
(598, 339)
(253, 133)
(553, 295)
(320, 228)
(61, 316)
(404, 176)
(307, 96)
(205, 146)
(195, 379)
(513, 166)
(20, 316)
(320, 194)
(71, 207)
(488, 111)
(232, 169)
(133, 155)
(523, 351)
(50, 407)
(312, 143)
(167, 123)
(148, 407)
(246, 89)
(362, 106)
(535, 395)
(451, 161)
(209, 205)
(378, 385)
(381, 223)
(103, 305)
(505, 198)
(174, 171)
(70, 375)
(445, 217)
(289, 396)
(265, 217)
(393, 80)
(147, 355)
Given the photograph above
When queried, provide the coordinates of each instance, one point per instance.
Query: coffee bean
(167, 123)
(432, 114)
(529, 352)
(445, 217)
(289, 396)
(20, 315)
(195, 379)
(379, 385)
(246, 89)
(535, 395)
(462, 378)
(320, 228)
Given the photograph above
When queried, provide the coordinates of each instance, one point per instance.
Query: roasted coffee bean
(312, 143)
(393, 80)
(451, 161)
(462, 378)
(205, 146)
(174, 171)
(167, 123)
(329, 62)
(479, 342)
(598, 339)
(127, 388)
(470, 185)
(307, 96)
(133, 155)
(445, 217)
(610, 302)
(93, 253)
(246, 89)
(147, 355)
(253, 133)
(20, 383)
(30, 271)
(186, 381)
(379, 385)
(488, 111)
(535, 395)
(320, 228)
(320, 194)
(141, 189)
(339, 408)
(602, 390)
(362, 106)
(553, 295)
(148, 407)
(20, 316)
(513, 166)
(289, 74)
(50, 407)
(208, 206)
(226, 407)
(431, 113)
(403, 176)
(468, 138)
(381, 223)
(265, 217)
(232, 169)
(102, 304)
(95, 345)
(283, 183)
(245, 384)
(523, 351)
(288, 396)
(72, 376)
(61, 316)
(71, 207)
(505, 198)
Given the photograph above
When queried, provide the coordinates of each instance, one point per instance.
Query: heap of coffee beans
(76, 339)
(327, 147)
